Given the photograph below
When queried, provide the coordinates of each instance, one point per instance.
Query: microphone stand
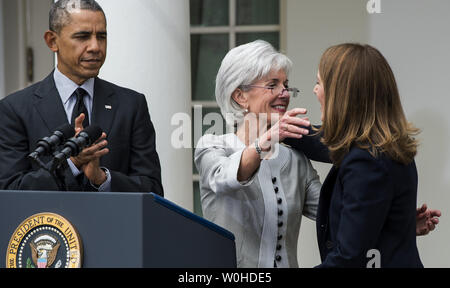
(56, 170)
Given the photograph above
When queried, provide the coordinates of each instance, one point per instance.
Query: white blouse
(265, 213)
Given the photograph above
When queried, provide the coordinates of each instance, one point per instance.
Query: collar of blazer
(50, 107)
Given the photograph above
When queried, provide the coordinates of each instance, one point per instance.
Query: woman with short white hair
(250, 184)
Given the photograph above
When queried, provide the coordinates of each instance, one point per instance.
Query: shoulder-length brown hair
(362, 105)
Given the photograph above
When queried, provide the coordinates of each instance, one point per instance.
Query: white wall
(149, 51)
(24, 24)
(14, 48)
(36, 16)
(413, 37)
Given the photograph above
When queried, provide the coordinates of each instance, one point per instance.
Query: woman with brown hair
(368, 201)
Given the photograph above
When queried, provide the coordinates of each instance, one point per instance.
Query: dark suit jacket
(368, 203)
(35, 112)
(311, 146)
(365, 204)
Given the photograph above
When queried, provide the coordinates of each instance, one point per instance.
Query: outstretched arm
(311, 146)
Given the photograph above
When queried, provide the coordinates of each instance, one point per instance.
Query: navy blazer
(35, 112)
(311, 146)
(366, 203)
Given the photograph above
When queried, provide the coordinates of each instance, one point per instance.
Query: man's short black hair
(59, 15)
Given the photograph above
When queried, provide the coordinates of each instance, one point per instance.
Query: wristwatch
(257, 147)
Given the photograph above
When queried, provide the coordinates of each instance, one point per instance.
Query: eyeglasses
(276, 91)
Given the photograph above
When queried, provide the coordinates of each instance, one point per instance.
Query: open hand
(426, 220)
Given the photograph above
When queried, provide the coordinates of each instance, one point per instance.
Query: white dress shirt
(66, 88)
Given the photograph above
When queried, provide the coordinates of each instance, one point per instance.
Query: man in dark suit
(124, 159)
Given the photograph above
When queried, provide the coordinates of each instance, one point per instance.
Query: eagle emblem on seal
(44, 250)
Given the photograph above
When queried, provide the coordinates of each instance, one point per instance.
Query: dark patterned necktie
(80, 107)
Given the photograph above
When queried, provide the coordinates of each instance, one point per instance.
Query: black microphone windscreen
(67, 130)
(94, 132)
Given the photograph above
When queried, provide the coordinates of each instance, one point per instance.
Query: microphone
(47, 145)
(74, 146)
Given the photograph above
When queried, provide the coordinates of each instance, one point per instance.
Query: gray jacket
(264, 213)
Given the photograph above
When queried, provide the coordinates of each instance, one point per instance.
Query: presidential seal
(44, 240)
